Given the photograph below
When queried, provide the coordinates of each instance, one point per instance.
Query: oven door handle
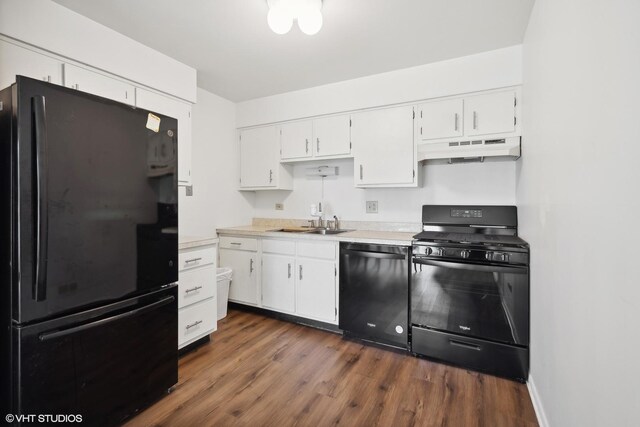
(472, 267)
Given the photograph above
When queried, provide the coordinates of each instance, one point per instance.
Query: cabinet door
(15, 60)
(259, 157)
(332, 136)
(244, 283)
(383, 147)
(490, 113)
(316, 289)
(97, 84)
(178, 110)
(296, 139)
(441, 119)
(278, 283)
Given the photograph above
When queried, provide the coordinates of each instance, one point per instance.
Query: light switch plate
(372, 206)
(279, 206)
(189, 190)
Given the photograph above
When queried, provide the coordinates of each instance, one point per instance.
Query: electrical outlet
(279, 206)
(189, 190)
(372, 206)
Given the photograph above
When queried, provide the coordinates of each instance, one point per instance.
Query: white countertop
(358, 236)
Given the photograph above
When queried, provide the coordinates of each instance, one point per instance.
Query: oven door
(485, 301)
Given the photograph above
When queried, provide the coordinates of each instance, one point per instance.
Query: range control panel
(466, 213)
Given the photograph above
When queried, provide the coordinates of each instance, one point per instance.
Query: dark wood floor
(259, 371)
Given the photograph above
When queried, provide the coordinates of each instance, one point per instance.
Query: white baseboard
(537, 403)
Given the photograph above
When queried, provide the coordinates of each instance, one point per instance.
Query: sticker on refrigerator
(153, 122)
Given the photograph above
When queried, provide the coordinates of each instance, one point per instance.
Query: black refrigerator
(89, 251)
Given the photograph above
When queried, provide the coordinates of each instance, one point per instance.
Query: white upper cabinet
(260, 167)
(15, 60)
(98, 84)
(296, 139)
(332, 136)
(490, 113)
(178, 110)
(384, 148)
(324, 137)
(441, 119)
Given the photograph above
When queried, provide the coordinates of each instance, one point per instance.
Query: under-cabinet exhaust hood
(505, 147)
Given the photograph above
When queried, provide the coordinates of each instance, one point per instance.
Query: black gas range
(470, 289)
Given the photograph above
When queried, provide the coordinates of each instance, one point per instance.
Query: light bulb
(310, 20)
(279, 20)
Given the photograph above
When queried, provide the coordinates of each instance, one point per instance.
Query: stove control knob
(427, 250)
(464, 254)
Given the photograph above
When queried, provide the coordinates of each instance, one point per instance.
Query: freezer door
(96, 211)
(105, 364)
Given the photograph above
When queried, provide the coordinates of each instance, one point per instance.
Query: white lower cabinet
(196, 321)
(197, 299)
(243, 263)
(316, 289)
(297, 276)
(278, 282)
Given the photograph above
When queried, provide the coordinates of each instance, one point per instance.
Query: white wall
(52, 27)
(216, 202)
(488, 70)
(481, 183)
(579, 200)
(486, 183)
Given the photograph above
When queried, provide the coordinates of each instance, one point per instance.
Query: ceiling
(238, 57)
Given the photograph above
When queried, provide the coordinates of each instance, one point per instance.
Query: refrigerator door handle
(40, 139)
(57, 334)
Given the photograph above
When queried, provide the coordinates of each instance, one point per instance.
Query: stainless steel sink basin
(324, 231)
(311, 231)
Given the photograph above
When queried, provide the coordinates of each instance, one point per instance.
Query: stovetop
(474, 238)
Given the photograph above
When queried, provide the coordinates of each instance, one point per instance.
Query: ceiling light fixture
(282, 13)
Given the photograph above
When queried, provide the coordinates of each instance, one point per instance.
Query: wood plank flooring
(258, 371)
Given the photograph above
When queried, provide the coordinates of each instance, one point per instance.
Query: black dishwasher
(374, 292)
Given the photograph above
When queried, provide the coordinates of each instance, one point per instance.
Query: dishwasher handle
(372, 254)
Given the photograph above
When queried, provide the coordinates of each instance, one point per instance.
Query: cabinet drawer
(285, 247)
(196, 285)
(242, 243)
(317, 250)
(494, 358)
(196, 321)
(198, 257)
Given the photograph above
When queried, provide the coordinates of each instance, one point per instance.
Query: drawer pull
(464, 345)
(193, 289)
(235, 243)
(189, 261)
(193, 325)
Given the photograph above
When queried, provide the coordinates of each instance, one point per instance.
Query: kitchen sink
(311, 231)
(324, 231)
